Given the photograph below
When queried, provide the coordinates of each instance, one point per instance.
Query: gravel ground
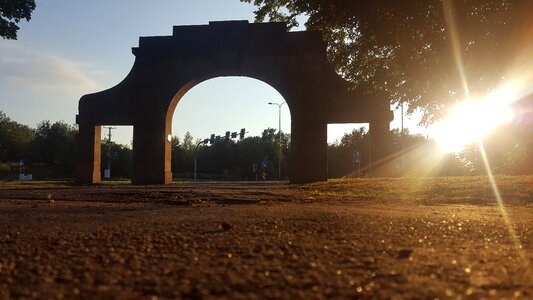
(257, 241)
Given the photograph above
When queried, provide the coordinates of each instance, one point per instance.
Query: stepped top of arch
(260, 38)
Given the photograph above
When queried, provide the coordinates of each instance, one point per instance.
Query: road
(257, 241)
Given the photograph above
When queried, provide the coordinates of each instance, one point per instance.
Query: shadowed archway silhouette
(166, 67)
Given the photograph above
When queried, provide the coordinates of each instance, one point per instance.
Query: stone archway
(166, 67)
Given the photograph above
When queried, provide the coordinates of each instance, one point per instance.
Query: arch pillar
(151, 154)
(379, 131)
(89, 154)
(309, 150)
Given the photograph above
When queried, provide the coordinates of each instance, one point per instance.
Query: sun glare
(470, 121)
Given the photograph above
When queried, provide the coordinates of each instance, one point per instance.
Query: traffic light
(241, 134)
(234, 135)
(227, 135)
(212, 139)
(205, 141)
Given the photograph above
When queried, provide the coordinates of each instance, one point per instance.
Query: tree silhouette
(15, 139)
(405, 48)
(11, 13)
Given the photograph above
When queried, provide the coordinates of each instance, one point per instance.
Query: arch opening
(116, 152)
(224, 104)
(348, 150)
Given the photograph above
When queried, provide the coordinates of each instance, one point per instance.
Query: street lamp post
(279, 132)
(196, 154)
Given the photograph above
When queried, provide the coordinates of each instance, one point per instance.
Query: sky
(71, 48)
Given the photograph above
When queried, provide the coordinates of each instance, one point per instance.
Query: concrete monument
(166, 67)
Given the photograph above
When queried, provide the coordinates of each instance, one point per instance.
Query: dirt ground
(360, 239)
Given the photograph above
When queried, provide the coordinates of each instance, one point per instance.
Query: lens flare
(499, 201)
(471, 121)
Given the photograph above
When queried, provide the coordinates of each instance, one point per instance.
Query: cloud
(40, 71)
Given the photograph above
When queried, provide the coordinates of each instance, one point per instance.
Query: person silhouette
(263, 168)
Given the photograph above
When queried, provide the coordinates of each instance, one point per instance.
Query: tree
(341, 155)
(250, 151)
(269, 135)
(187, 143)
(507, 150)
(177, 153)
(15, 139)
(55, 146)
(402, 141)
(414, 155)
(121, 159)
(229, 159)
(11, 13)
(407, 48)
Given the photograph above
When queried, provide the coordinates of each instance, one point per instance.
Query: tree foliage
(231, 160)
(342, 155)
(406, 49)
(121, 159)
(508, 151)
(55, 146)
(414, 155)
(15, 139)
(188, 143)
(50, 151)
(11, 13)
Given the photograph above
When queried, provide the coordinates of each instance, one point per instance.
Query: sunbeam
(454, 37)
(472, 120)
(478, 115)
(503, 212)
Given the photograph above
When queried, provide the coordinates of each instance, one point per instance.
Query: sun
(470, 121)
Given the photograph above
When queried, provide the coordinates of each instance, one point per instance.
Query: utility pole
(279, 131)
(107, 172)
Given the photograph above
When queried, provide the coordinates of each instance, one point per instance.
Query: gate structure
(166, 67)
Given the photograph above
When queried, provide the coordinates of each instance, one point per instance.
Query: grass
(36, 184)
(515, 190)
(47, 184)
